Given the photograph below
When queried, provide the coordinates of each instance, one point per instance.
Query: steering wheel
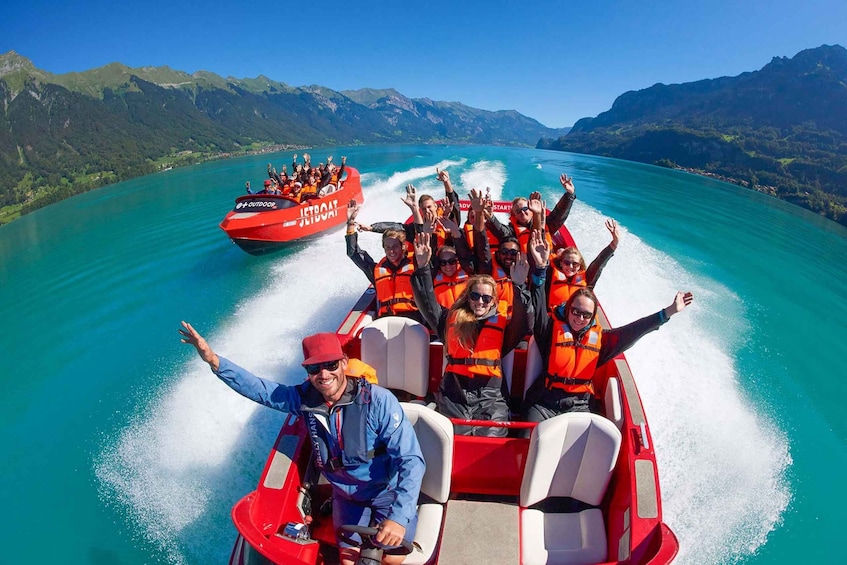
(368, 534)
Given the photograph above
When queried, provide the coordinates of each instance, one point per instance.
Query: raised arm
(618, 340)
(359, 256)
(560, 212)
(422, 289)
(595, 269)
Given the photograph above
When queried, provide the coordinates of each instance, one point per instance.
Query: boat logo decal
(255, 204)
(318, 212)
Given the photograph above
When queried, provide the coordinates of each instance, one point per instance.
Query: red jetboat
(260, 223)
(583, 488)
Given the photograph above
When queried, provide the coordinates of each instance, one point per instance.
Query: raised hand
(535, 203)
(423, 252)
(567, 183)
(612, 226)
(539, 249)
(446, 206)
(352, 211)
(204, 350)
(449, 225)
(442, 175)
(430, 221)
(520, 269)
(680, 301)
(411, 198)
(476, 200)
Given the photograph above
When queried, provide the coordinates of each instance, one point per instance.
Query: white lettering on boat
(318, 213)
(255, 204)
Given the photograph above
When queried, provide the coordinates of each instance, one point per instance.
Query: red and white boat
(260, 223)
(584, 488)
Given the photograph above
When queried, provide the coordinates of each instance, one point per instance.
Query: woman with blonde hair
(475, 336)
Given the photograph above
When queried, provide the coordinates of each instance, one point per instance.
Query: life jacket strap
(471, 361)
(556, 379)
(336, 463)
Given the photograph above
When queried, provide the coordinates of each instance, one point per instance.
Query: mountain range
(64, 134)
(781, 130)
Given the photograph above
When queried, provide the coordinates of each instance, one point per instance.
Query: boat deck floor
(480, 531)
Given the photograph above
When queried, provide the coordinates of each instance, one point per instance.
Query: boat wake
(177, 469)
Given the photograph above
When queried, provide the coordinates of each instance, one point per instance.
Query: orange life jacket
(359, 369)
(505, 290)
(571, 364)
(394, 287)
(448, 289)
(483, 360)
(523, 233)
(493, 242)
(561, 287)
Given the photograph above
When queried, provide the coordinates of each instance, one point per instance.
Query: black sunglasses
(452, 261)
(486, 298)
(509, 252)
(316, 368)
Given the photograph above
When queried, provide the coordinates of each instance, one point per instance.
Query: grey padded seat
(435, 435)
(571, 455)
(398, 348)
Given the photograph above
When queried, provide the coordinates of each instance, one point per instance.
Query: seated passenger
(573, 344)
(450, 279)
(567, 272)
(376, 469)
(391, 277)
(475, 336)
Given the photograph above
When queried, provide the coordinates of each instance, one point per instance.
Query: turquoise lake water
(122, 448)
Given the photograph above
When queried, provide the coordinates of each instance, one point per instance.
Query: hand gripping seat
(570, 462)
(435, 435)
(398, 348)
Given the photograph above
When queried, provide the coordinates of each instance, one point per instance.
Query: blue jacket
(402, 467)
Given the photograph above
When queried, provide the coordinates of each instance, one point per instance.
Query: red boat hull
(261, 223)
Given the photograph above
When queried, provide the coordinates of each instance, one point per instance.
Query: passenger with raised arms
(364, 445)
(475, 336)
(392, 275)
(573, 345)
(567, 272)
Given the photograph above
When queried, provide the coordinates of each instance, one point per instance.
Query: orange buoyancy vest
(562, 286)
(483, 360)
(359, 369)
(571, 364)
(448, 289)
(523, 233)
(493, 242)
(394, 287)
(505, 290)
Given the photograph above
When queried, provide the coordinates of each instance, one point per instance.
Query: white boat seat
(435, 435)
(613, 403)
(534, 364)
(570, 456)
(398, 348)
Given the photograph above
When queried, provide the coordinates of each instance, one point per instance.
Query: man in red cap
(361, 439)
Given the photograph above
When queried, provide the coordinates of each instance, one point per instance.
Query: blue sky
(553, 61)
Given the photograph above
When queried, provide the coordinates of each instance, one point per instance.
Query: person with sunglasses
(529, 214)
(573, 345)
(475, 337)
(567, 272)
(362, 442)
(391, 276)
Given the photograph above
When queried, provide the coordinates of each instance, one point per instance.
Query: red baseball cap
(320, 348)
(267, 182)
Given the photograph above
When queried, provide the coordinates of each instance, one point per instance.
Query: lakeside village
(763, 188)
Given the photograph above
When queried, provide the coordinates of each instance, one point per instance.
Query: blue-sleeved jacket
(402, 466)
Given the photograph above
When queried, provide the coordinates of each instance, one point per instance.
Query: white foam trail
(722, 464)
(198, 447)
